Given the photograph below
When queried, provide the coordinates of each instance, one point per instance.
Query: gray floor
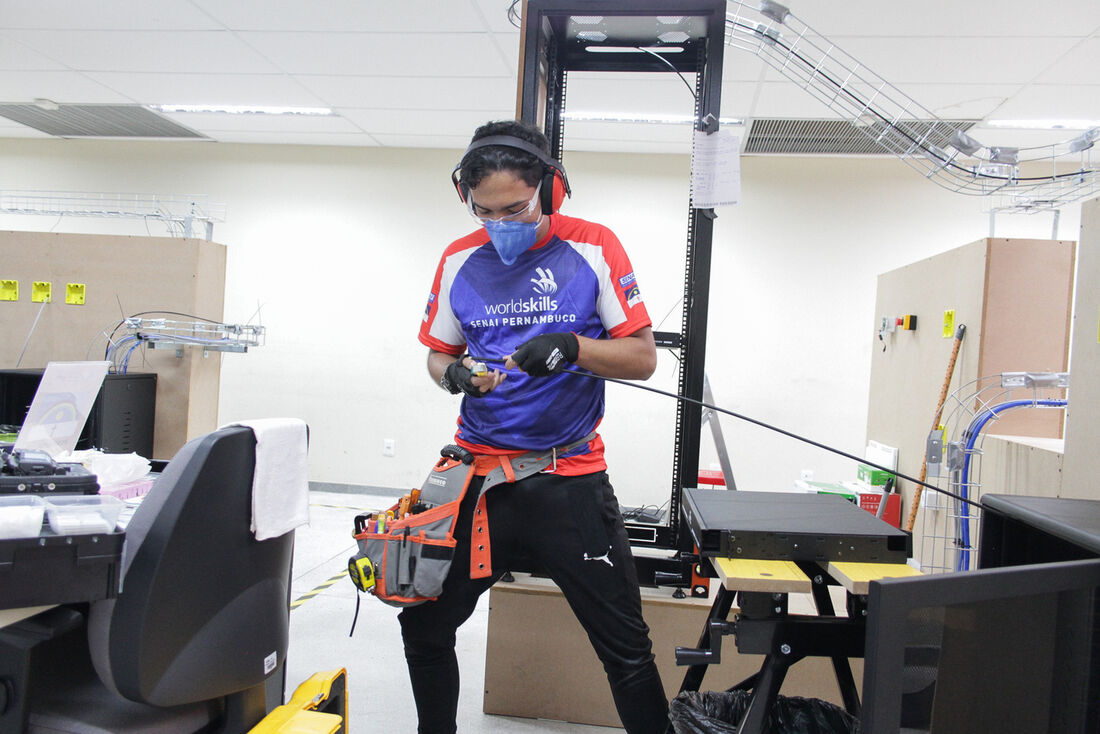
(378, 688)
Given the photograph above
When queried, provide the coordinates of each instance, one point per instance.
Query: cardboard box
(539, 663)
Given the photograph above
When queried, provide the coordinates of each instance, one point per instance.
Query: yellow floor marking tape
(317, 590)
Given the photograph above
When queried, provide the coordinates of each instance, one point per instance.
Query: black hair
(480, 162)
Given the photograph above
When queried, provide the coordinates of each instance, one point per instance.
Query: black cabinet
(122, 416)
(1024, 530)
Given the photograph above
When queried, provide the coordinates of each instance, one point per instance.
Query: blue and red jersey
(577, 278)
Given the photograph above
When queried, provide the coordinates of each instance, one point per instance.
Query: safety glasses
(513, 217)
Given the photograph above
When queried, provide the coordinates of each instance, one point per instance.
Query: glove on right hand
(547, 354)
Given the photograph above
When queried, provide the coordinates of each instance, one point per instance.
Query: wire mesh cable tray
(949, 526)
(179, 210)
(211, 336)
(1037, 178)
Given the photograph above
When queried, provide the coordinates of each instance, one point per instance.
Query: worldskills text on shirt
(579, 279)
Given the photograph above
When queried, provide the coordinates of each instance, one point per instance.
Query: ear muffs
(555, 184)
(555, 187)
(462, 189)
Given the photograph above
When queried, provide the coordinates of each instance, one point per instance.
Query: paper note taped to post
(715, 169)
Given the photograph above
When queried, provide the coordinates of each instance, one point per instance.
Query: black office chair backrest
(203, 611)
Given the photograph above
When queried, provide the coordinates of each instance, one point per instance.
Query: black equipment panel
(789, 526)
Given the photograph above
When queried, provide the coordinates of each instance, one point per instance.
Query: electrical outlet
(389, 447)
(41, 291)
(75, 294)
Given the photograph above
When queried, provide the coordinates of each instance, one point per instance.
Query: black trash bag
(716, 712)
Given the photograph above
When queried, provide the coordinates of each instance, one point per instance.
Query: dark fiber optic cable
(756, 422)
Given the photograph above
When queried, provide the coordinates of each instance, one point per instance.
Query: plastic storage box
(82, 514)
(21, 516)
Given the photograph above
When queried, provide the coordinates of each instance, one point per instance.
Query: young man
(537, 295)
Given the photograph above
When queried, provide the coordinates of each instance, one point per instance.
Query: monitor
(1013, 649)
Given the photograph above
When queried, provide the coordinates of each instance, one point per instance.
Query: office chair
(202, 618)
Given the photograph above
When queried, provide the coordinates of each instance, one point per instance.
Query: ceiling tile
(1004, 18)
(406, 16)
(424, 122)
(428, 72)
(389, 92)
(508, 44)
(1022, 139)
(960, 60)
(1049, 101)
(448, 142)
(59, 86)
(741, 65)
(773, 99)
(959, 101)
(211, 89)
(116, 14)
(15, 56)
(214, 122)
(382, 54)
(789, 100)
(146, 51)
(495, 13)
(1079, 65)
(296, 138)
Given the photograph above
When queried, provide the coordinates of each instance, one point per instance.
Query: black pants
(546, 522)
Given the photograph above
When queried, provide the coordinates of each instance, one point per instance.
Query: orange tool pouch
(411, 555)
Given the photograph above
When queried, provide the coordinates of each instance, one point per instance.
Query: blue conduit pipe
(972, 433)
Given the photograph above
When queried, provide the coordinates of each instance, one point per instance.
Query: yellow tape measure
(361, 572)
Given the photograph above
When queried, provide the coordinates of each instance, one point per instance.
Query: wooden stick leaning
(935, 426)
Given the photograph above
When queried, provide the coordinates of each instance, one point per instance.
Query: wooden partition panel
(1081, 478)
(1014, 297)
(122, 276)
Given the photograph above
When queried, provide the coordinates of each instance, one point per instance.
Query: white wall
(337, 247)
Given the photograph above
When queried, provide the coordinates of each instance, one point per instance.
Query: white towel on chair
(280, 484)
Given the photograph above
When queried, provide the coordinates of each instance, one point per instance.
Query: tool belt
(405, 552)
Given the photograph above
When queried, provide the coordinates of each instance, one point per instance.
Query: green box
(874, 477)
(827, 488)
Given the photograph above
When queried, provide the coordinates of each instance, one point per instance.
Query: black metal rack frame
(558, 37)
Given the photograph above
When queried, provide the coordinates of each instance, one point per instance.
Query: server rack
(558, 37)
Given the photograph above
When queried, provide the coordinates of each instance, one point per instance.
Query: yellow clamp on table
(750, 574)
(857, 577)
(300, 715)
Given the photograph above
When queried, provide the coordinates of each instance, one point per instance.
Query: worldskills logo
(545, 283)
(541, 308)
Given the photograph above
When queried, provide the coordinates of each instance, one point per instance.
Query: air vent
(97, 121)
(842, 137)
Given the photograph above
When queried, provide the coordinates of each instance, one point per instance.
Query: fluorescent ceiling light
(650, 119)
(1050, 124)
(634, 49)
(243, 109)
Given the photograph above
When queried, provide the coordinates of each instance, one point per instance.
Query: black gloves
(456, 379)
(547, 354)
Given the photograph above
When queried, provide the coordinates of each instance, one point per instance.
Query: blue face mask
(511, 239)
